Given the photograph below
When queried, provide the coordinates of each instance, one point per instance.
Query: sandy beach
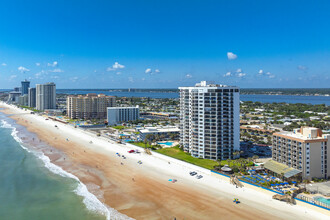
(142, 191)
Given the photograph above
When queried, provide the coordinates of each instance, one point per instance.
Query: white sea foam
(90, 200)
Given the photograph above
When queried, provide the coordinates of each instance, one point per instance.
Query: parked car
(193, 173)
(131, 151)
(199, 176)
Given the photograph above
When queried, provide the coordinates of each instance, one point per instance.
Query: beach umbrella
(277, 184)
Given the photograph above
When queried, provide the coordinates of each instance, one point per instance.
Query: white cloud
(261, 72)
(12, 77)
(74, 79)
(56, 71)
(54, 77)
(40, 74)
(272, 76)
(143, 79)
(147, 71)
(188, 76)
(239, 70)
(118, 73)
(23, 69)
(231, 56)
(4, 64)
(268, 74)
(38, 64)
(54, 64)
(157, 71)
(301, 67)
(227, 74)
(240, 75)
(115, 66)
(130, 79)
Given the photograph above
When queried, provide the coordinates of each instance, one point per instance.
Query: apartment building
(122, 114)
(32, 97)
(46, 96)
(91, 106)
(304, 149)
(209, 120)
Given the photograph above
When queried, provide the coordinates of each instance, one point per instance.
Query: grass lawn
(119, 127)
(236, 163)
(140, 144)
(179, 154)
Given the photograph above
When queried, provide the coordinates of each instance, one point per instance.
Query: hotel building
(122, 114)
(209, 120)
(45, 96)
(25, 87)
(91, 106)
(304, 149)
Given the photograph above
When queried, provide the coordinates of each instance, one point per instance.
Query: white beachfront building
(116, 115)
(209, 120)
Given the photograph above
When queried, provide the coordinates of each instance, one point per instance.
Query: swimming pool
(168, 143)
(323, 200)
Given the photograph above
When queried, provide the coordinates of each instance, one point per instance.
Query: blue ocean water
(255, 98)
(33, 188)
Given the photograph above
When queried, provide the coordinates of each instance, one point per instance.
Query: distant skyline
(165, 44)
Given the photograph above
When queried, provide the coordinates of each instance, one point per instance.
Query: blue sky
(165, 44)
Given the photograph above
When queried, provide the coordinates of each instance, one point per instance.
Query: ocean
(33, 188)
(314, 100)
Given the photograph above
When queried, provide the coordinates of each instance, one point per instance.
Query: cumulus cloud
(74, 79)
(231, 56)
(227, 74)
(272, 76)
(143, 79)
(54, 77)
(12, 77)
(54, 64)
(56, 71)
(240, 75)
(118, 73)
(157, 71)
(239, 70)
(301, 67)
(261, 72)
(148, 71)
(115, 66)
(38, 64)
(3, 64)
(130, 79)
(40, 74)
(23, 69)
(188, 76)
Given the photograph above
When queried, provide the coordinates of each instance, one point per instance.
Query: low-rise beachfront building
(161, 131)
(304, 149)
(90, 106)
(117, 115)
(209, 120)
(13, 96)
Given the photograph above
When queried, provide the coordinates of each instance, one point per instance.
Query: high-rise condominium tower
(45, 96)
(32, 97)
(209, 120)
(25, 87)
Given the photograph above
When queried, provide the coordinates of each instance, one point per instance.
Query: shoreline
(150, 195)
